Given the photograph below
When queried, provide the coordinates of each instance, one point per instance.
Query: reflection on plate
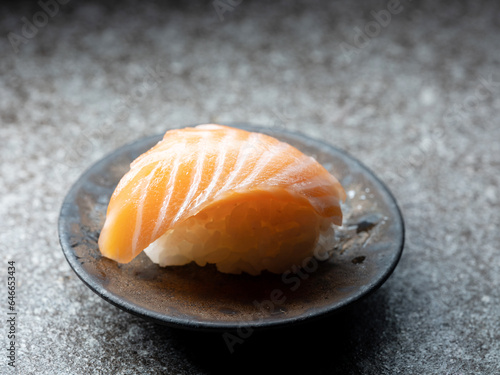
(370, 243)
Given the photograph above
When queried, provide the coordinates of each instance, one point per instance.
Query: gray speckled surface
(417, 100)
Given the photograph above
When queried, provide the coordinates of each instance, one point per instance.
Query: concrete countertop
(411, 88)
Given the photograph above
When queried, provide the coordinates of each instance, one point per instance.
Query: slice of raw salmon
(212, 170)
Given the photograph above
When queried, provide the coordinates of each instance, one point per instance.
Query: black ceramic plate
(369, 247)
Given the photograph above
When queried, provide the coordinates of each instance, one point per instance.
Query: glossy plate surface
(370, 243)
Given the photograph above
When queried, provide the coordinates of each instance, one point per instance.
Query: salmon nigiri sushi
(214, 194)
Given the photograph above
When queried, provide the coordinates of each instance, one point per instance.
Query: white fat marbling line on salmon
(243, 155)
(166, 201)
(294, 168)
(219, 168)
(263, 162)
(160, 155)
(140, 207)
(312, 183)
(195, 182)
(136, 167)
